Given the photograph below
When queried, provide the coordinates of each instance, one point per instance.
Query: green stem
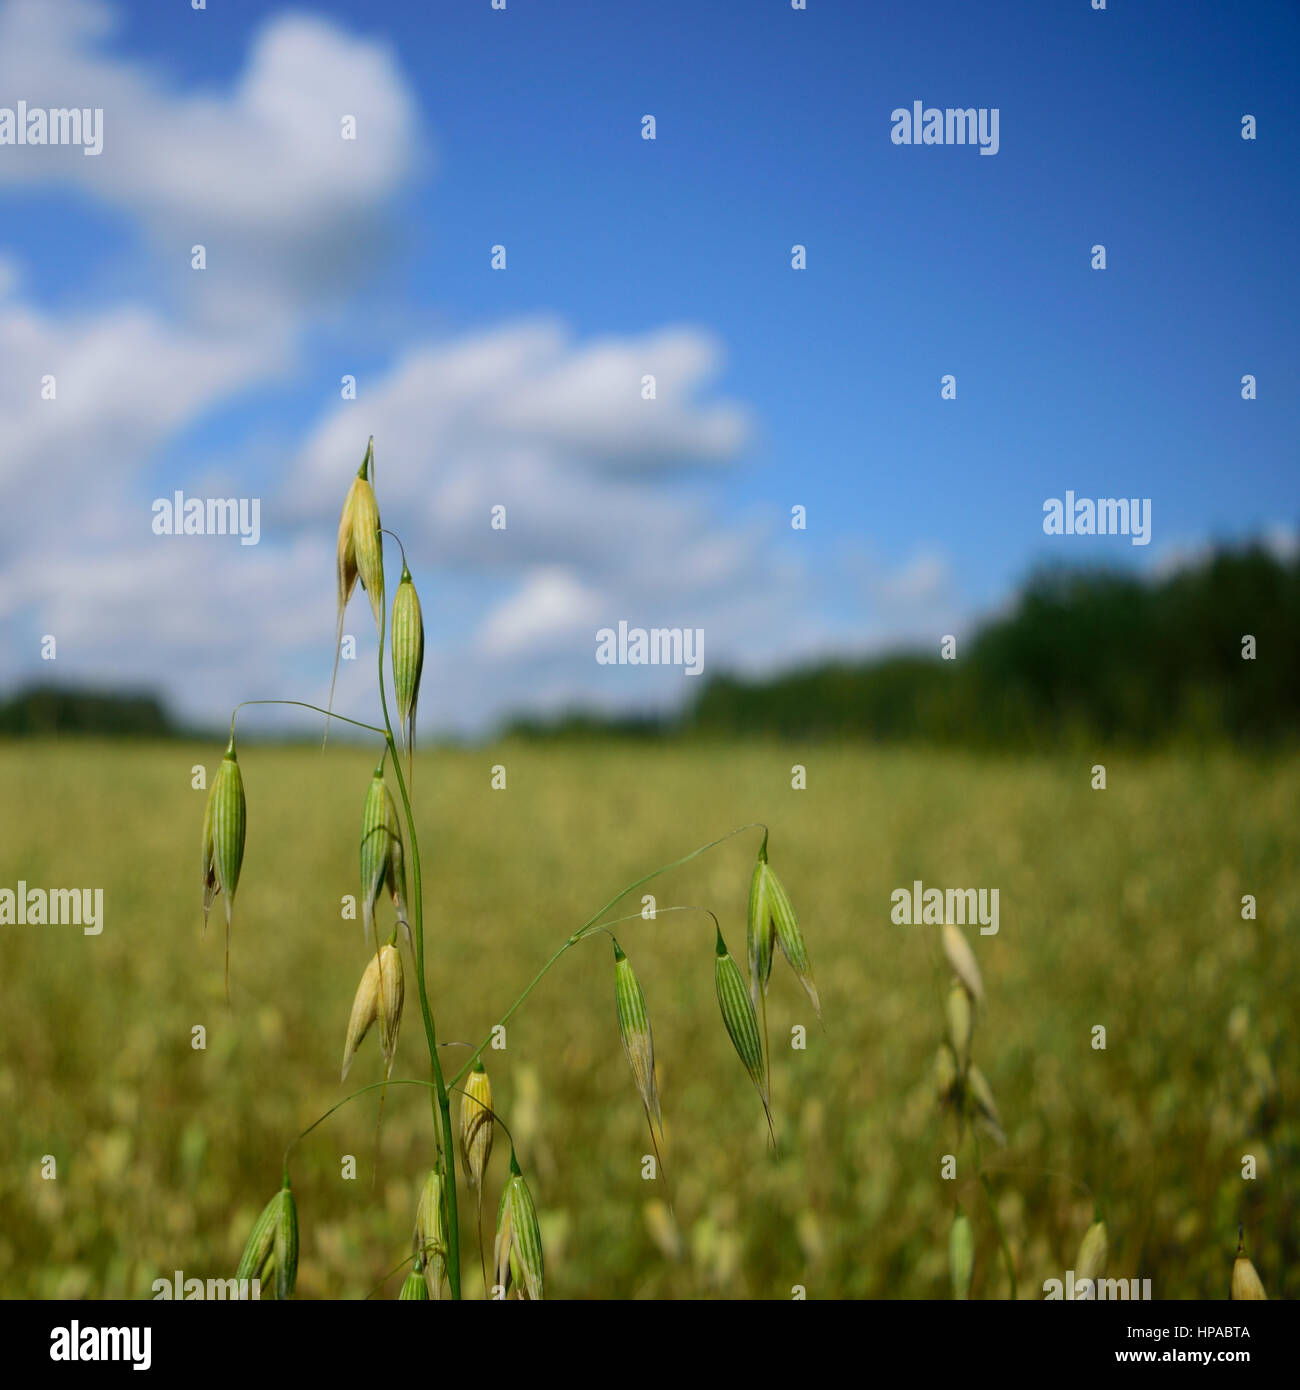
(446, 1145)
(593, 919)
(302, 704)
(338, 1105)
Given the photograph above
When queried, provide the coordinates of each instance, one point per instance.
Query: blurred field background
(1119, 907)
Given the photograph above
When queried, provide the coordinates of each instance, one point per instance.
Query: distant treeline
(43, 710)
(1084, 655)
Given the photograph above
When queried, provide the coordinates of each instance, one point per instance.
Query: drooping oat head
(225, 823)
(741, 1022)
(379, 997)
(638, 1041)
(408, 659)
(271, 1253)
(476, 1125)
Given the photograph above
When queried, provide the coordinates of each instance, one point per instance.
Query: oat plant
(964, 1091)
(388, 849)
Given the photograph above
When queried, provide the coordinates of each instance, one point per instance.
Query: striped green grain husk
(260, 1243)
(392, 989)
(379, 824)
(476, 1124)
(395, 866)
(517, 1254)
(271, 1254)
(413, 1288)
(525, 1235)
(760, 932)
(209, 859)
(504, 1238)
(741, 1023)
(286, 1246)
(408, 657)
(367, 543)
(225, 822)
(638, 1041)
(379, 996)
(788, 936)
(347, 562)
(962, 959)
(430, 1239)
(961, 1255)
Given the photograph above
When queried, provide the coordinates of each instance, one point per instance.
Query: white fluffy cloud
(523, 397)
(260, 174)
(616, 505)
(91, 400)
(122, 381)
(551, 604)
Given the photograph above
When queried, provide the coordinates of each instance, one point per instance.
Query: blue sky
(819, 387)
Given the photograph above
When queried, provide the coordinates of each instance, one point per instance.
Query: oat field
(1119, 908)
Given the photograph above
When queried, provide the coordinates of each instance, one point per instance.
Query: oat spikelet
(225, 823)
(638, 1041)
(741, 1023)
(788, 936)
(408, 659)
(962, 959)
(476, 1125)
(1094, 1248)
(1246, 1283)
(381, 859)
(760, 931)
(347, 562)
(369, 544)
(413, 1289)
(519, 1238)
(430, 1238)
(961, 1255)
(946, 1083)
(504, 1243)
(379, 997)
(271, 1254)
(986, 1109)
(209, 860)
(395, 868)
